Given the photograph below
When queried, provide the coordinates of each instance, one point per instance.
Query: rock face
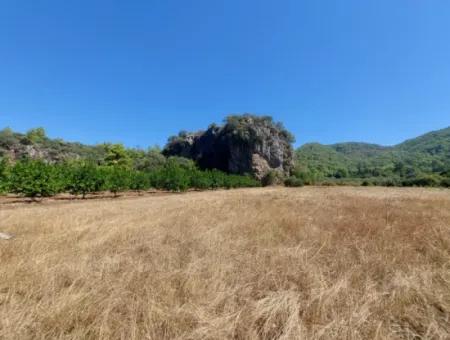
(245, 144)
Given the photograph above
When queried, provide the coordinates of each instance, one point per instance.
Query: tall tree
(116, 154)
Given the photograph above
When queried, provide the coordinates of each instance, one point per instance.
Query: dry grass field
(271, 263)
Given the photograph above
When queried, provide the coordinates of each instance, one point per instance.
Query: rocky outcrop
(15, 146)
(245, 144)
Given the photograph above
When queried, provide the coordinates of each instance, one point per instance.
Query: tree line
(37, 178)
(82, 169)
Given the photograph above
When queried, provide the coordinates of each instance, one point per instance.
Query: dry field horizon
(263, 263)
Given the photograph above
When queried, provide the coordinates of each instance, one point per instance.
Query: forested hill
(424, 156)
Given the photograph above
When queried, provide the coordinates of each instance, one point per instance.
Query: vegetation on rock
(244, 144)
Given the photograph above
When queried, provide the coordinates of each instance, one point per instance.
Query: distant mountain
(432, 143)
(428, 154)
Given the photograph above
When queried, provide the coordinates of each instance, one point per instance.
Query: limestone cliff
(245, 144)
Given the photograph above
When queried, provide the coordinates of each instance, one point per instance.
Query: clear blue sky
(139, 71)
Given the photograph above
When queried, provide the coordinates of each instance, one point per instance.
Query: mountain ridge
(427, 154)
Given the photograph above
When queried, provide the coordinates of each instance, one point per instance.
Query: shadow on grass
(11, 200)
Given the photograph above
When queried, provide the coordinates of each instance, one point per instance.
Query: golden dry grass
(277, 263)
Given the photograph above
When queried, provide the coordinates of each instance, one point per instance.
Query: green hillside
(425, 159)
(432, 143)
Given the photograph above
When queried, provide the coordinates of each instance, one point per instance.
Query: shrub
(8, 138)
(238, 181)
(423, 181)
(271, 178)
(328, 183)
(390, 183)
(293, 182)
(341, 173)
(366, 183)
(445, 182)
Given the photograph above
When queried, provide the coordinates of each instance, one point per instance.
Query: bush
(423, 181)
(341, 173)
(328, 183)
(445, 182)
(271, 178)
(238, 181)
(389, 183)
(293, 182)
(309, 177)
(366, 183)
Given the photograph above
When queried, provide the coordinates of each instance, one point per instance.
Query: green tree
(118, 179)
(117, 155)
(7, 138)
(173, 176)
(4, 175)
(200, 180)
(139, 181)
(84, 178)
(36, 135)
(34, 178)
(341, 173)
(153, 160)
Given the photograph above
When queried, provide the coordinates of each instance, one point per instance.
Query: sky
(139, 71)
